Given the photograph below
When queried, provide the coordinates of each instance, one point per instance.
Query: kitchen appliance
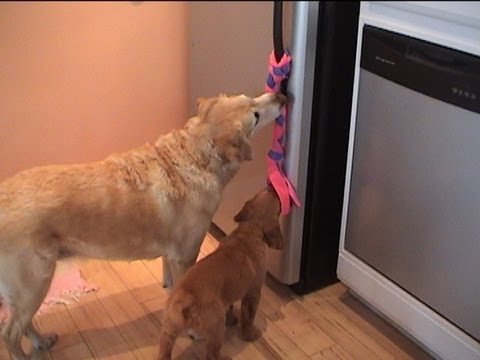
(231, 43)
(410, 239)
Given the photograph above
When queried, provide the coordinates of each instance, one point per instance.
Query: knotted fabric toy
(279, 71)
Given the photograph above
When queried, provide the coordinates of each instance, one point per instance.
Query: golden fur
(202, 300)
(156, 200)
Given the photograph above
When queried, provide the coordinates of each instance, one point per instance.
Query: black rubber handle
(278, 30)
(278, 48)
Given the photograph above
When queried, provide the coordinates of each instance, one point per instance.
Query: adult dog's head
(229, 121)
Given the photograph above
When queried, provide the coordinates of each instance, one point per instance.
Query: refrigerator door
(320, 87)
(285, 265)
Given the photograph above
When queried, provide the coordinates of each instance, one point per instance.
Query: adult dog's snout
(271, 98)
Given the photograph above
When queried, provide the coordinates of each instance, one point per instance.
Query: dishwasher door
(414, 202)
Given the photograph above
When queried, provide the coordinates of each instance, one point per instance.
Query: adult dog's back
(156, 200)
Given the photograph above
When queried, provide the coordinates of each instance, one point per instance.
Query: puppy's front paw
(231, 319)
(250, 334)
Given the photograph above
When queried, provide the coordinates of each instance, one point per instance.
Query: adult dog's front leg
(180, 262)
(167, 273)
(179, 267)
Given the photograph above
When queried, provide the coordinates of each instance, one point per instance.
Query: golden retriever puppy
(155, 200)
(235, 271)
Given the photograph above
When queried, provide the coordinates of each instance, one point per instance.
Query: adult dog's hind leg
(27, 287)
(40, 342)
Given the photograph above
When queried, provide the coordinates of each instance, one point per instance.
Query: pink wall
(79, 80)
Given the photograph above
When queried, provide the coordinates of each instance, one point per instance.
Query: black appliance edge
(332, 94)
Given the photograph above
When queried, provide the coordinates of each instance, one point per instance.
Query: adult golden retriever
(155, 200)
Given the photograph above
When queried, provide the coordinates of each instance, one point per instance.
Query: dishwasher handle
(443, 60)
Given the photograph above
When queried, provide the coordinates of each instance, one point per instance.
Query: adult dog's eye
(257, 117)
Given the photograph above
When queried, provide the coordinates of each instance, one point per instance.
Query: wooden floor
(122, 320)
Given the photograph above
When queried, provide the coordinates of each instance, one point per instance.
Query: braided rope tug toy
(278, 72)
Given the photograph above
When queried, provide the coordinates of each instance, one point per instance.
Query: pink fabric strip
(285, 190)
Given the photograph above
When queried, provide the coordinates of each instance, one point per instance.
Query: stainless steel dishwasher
(414, 202)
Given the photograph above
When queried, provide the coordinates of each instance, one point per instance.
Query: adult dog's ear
(236, 148)
(192, 122)
(204, 105)
(273, 235)
(244, 147)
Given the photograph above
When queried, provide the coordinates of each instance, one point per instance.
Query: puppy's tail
(181, 309)
(177, 318)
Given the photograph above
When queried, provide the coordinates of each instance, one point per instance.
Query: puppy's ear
(273, 235)
(204, 106)
(243, 215)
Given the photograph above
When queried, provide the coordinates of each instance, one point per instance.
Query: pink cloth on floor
(68, 285)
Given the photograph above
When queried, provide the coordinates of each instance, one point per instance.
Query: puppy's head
(229, 122)
(264, 208)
